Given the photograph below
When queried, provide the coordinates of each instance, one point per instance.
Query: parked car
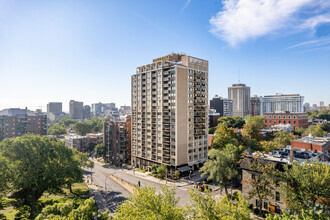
(202, 187)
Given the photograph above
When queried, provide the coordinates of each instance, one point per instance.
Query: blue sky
(87, 50)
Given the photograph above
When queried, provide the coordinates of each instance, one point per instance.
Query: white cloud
(240, 20)
(186, 4)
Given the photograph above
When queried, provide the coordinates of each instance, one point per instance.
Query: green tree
(302, 215)
(212, 130)
(298, 131)
(224, 136)
(100, 150)
(269, 146)
(162, 170)
(256, 121)
(4, 176)
(177, 173)
(222, 165)
(262, 181)
(205, 207)
(82, 128)
(73, 163)
(315, 130)
(56, 130)
(231, 121)
(67, 121)
(283, 138)
(251, 136)
(72, 210)
(308, 186)
(36, 165)
(148, 204)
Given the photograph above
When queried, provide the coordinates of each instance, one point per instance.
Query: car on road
(202, 187)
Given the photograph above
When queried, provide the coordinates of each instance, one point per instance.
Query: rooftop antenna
(238, 76)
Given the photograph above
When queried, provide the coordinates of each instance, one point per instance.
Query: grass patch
(141, 170)
(80, 189)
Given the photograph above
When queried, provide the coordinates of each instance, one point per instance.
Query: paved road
(108, 193)
(181, 189)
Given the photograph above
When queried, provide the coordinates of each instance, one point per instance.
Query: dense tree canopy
(37, 164)
(283, 138)
(315, 130)
(256, 121)
(95, 125)
(222, 165)
(56, 129)
(308, 186)
(231, 121)
(148, 204)
(67, 121)
(205, 207)
(224, 136)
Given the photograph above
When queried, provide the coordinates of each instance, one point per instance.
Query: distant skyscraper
(76, 109)
(282, 103)
(222, 106)
(255, 105)
(86, 112)
(54, 107)
(307, 107)
(240, 94)
(170, 112)
(321, 104)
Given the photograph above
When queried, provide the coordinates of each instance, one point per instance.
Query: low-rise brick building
(314, 144)
(80, 143)
(294, 119)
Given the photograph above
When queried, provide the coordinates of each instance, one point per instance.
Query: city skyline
(87, 51)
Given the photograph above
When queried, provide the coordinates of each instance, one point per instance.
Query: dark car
(202, 187)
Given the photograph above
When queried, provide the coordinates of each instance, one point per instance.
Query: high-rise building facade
(222, 106)
(240, 94)
(255, 105)
(76, 110)
(170, 112)
(54, 107)
(282, 103)
(15, 122)
(115, 141)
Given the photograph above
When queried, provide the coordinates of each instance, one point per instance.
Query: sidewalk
(180, 183)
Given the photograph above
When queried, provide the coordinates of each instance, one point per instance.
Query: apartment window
(278, 198)
(266, 205)
(257, 202)
(265, 121)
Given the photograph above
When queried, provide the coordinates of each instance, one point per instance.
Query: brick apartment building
(294, 119)
(15, 122)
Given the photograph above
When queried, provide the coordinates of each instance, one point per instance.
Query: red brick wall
(307, 146)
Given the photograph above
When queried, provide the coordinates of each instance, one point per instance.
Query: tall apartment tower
(115, 141)
(54, 107)
(170, 112)
(76, 110)
(240, 94)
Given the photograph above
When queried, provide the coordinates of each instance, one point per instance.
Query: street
(109, 194)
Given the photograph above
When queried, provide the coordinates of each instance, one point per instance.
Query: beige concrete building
(240, 94)
(170, 112)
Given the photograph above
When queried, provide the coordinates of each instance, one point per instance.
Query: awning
(184, 169)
